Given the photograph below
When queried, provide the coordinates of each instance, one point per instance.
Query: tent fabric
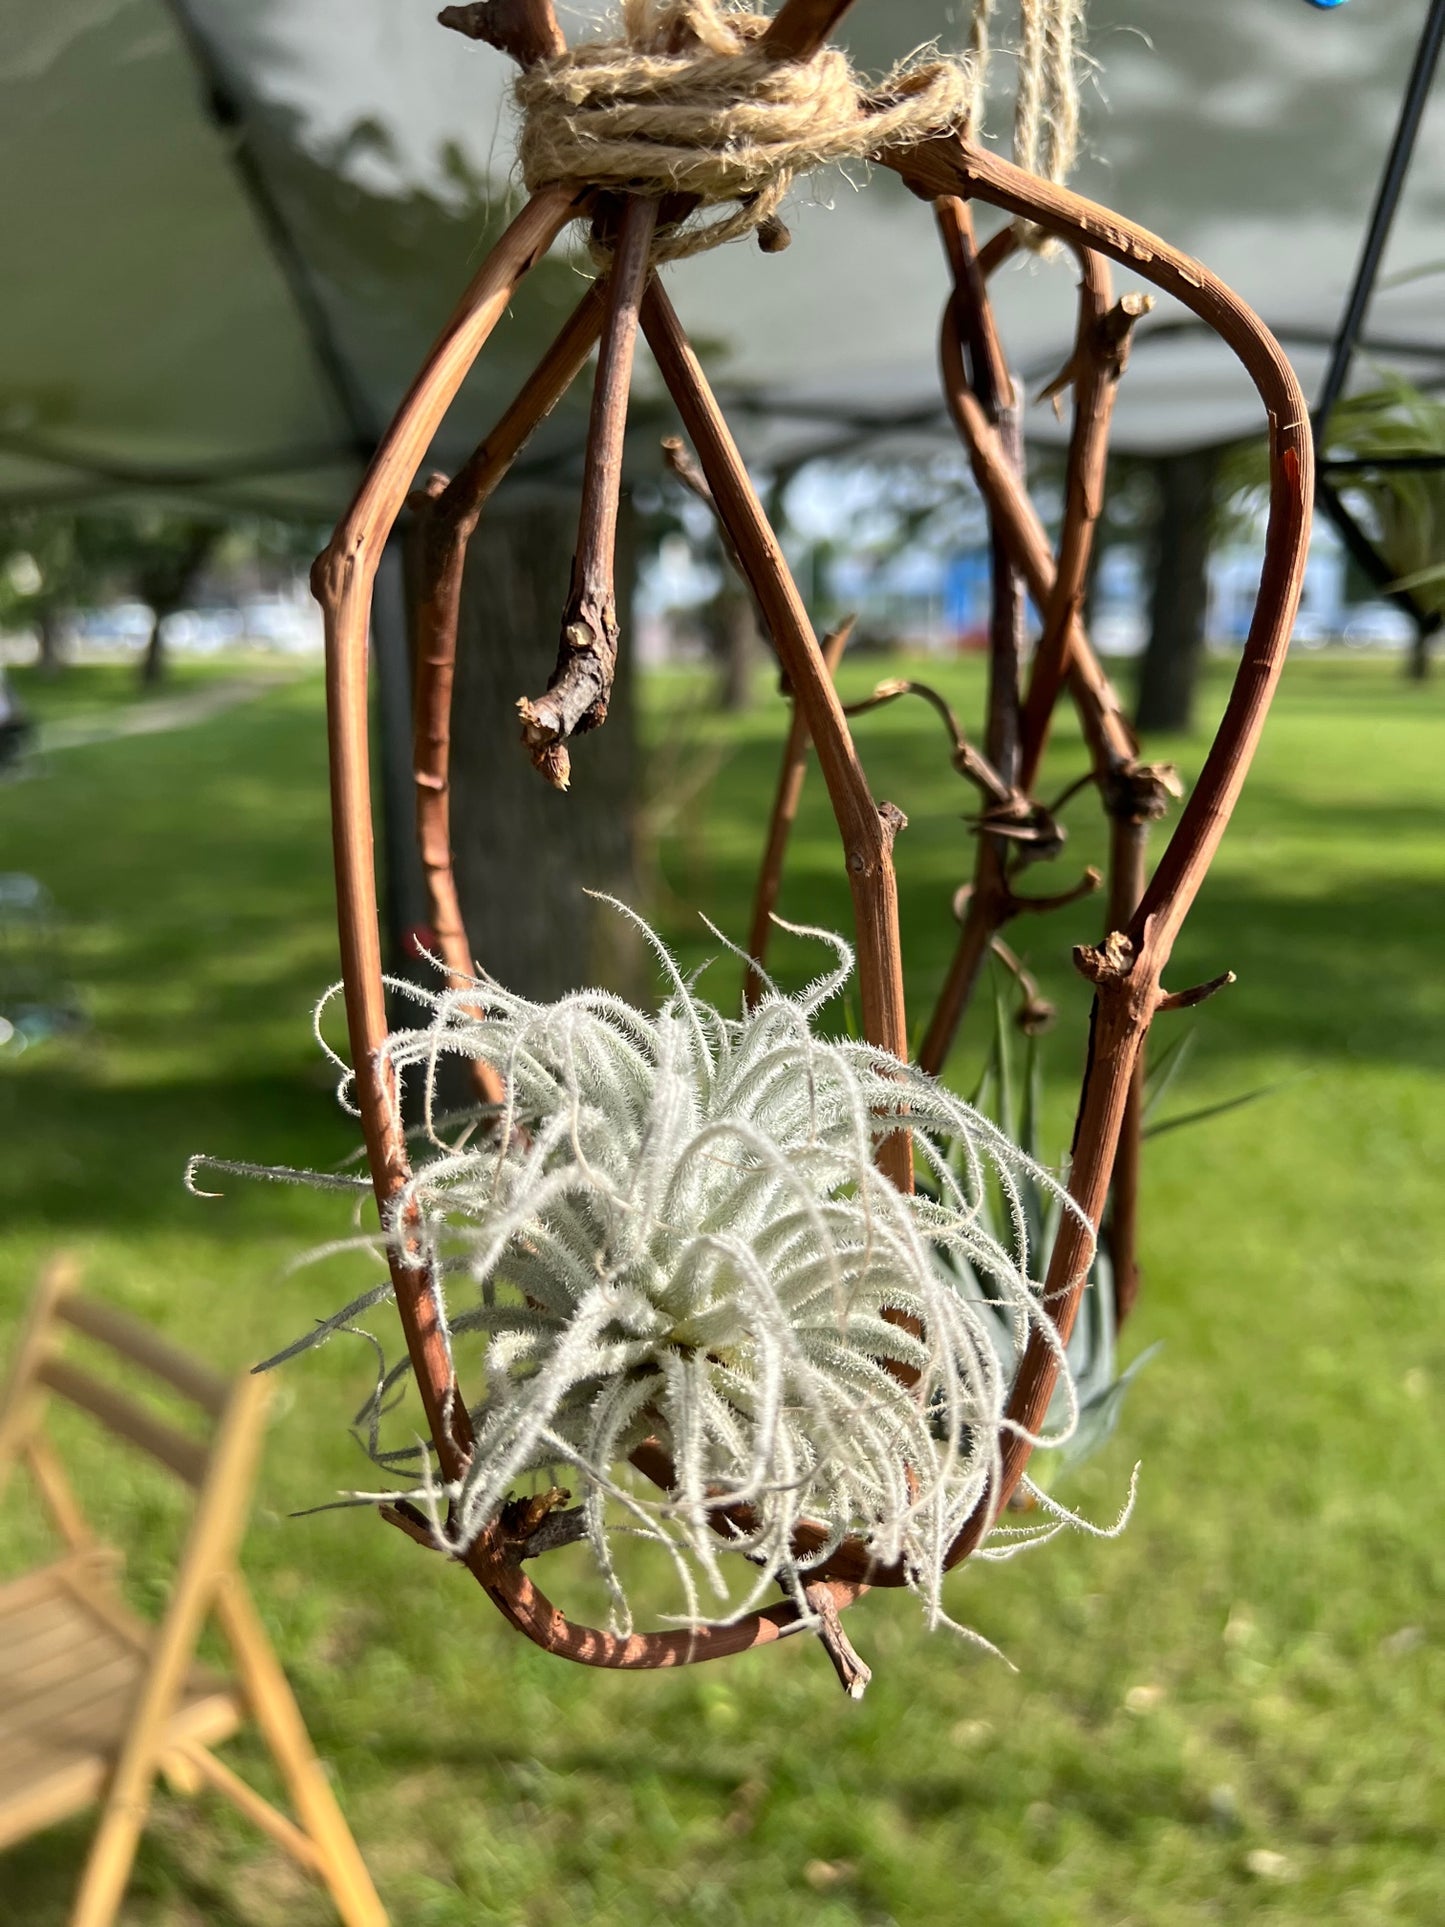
(234, 226)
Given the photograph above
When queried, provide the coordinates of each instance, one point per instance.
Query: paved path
(148, 718)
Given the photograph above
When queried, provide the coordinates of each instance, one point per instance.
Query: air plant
(1084, 1411)
(673, 1236)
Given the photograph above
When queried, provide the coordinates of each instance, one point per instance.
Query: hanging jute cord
(686, 102)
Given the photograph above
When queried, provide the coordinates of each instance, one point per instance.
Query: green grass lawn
(1231, 1714)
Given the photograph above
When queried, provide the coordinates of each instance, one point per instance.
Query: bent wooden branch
(993, 400)
(1128, 843)
(1127, 970)
(1128, 788)
(342, 581)
(581, 686)
(867, 829)
(447, 514)
(1133, 793)
(789, 793)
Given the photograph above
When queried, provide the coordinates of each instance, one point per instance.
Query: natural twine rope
(684, 102)
(1046, 109)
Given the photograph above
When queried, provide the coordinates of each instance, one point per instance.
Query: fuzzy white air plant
(676, 1230)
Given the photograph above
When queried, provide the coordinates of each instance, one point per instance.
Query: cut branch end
(853, 1673)
(525, 30)
(1198, 994)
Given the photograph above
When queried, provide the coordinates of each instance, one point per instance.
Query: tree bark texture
(1169, 670)
(525, 853)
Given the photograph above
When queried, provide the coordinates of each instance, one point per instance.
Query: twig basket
(949, 171)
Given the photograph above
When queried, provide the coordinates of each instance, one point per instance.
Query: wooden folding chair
(94, 1702)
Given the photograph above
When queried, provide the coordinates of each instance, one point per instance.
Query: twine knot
(688, 103)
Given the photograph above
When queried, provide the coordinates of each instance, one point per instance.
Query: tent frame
(1331, 470)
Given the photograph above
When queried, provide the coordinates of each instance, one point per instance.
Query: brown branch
(973, 315)
(675, 454)
(447, 514)
(982, 920)
(853, 1674)
(987, 904)
(679, 460)
(1094, 370)
(993, 401)
(527, 30)
(791, 776)
(1196, 994)
(800, 27)
(526, 1607)
(1099, 362)
(1106, 730)
(581, 685)
(966, 760)
(342, 581)
(1087, 884)
(866, 829)
(1035, 1013)
(1127, 971)
(1111, 741)
(1128, 843)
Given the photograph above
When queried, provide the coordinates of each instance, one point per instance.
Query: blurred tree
(668, 511)
(526, 854)
(170, 553)
(56, 562)
(731, 628)
(52, 563)
(1186, 483)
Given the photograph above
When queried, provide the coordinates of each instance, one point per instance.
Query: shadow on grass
(42, 1873)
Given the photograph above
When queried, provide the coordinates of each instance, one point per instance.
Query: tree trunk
(736, 644)
(1179, 604)
(153, 662)
(526, 853)
(51, 658)
(164, 580)
(1097, 550)
(1417, 663)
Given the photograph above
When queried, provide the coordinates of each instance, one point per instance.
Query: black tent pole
(1387, 200)
(224, 107)
(1347, 339)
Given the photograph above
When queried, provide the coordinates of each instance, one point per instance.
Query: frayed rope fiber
(685, 101)
(675, 1231)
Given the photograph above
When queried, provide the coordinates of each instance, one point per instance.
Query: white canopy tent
(233, 226)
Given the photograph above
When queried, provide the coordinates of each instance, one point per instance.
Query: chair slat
(137, 1342)
(179, 1454)
(94, 1701)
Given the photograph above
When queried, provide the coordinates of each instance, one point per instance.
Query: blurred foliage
(56, 562)
(1402, 509)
